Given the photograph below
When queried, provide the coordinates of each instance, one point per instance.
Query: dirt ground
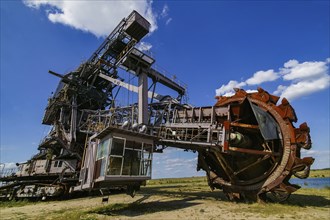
(176, 201)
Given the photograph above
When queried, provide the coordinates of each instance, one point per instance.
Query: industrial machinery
(246, 143)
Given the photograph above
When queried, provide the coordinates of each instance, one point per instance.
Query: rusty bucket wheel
(268, 153)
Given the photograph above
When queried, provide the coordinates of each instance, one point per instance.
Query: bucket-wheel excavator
(247, 143)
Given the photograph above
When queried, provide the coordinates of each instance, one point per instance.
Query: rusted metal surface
(283, 154)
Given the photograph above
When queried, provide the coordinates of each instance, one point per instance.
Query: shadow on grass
(308, 200)
(177, 191)
(294, 200)
(139, 207)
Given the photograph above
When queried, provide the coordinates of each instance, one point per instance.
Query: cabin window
(132, 158)
(102, 152)
(114, 166)
(56, 163)
(129, 158)
(103, 149)
(116, 156)
(60, 163)
(146, 160)
(117, 147)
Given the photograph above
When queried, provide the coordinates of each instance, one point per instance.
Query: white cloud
(293, 70)
(280, 90)
(175, 162)
(165, 15)
(7, 169)
(262, 76)
(291, 63)
(257, 78)
(96, 17)
(168, 21)
(165, 11)
(322, 158)
(144, 46)
(303, 88)
(304, 79)
(228, 89)
(309, 152)
(7, 166)
(251, 90)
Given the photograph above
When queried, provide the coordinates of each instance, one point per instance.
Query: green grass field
(176, 198)
(322, 173)
(165, 198)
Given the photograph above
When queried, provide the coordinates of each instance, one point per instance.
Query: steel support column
(143, 98)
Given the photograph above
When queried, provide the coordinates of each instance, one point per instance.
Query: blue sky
(212, 46)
